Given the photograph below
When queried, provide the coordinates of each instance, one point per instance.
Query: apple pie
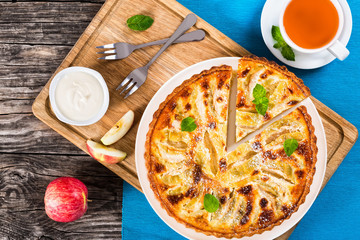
(257, 185)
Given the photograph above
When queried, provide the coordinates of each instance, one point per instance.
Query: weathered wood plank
(64, 33)
(24, 70)
(15, 106)
(40, 35)
(20, 84)
(23, 180)
(26, 75)
(20, 93)
(52, 12)
(32, 55)
(26, 134)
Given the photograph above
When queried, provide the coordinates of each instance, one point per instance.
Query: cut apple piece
(119, 129)
(103, 153)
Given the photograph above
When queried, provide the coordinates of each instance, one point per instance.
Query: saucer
(270, 16)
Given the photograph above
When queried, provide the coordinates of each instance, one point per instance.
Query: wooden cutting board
(109, 26)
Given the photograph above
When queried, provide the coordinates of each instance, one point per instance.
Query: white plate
(270, 16)
(146, 119)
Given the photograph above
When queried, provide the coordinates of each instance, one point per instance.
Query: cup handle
(339, 50)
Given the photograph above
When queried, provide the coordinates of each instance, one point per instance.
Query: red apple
(103, 153)
(66, 199)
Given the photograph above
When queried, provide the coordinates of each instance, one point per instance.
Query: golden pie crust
(257, 185)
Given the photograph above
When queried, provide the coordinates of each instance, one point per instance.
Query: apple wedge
(103, 153)
(119, 129)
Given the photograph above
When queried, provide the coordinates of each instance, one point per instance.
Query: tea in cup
(311, 26)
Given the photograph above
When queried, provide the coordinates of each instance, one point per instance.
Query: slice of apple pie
(283, 90)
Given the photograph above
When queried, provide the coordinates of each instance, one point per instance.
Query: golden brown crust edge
(282, 69)
(303, 110)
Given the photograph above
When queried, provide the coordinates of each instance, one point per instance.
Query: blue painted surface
(335, 213)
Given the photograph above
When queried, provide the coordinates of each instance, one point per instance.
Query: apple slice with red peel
(119, 129)
(103, 153)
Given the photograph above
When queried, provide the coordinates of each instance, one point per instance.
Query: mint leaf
(259, 91)
(256, 101)
(211, 203)
(288, 53)
(276, 34)
(290, 145)
(285, 49)
(277, 45)
(188, 124)
(261, 105)
(260, 100)
(139, 22)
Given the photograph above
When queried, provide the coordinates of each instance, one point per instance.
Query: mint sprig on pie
(260, 99)
(290, 145)
(188, 124)
(211, 203)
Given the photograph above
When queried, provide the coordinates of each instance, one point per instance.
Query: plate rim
(155, 204)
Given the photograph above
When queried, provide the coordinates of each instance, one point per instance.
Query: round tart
(258, 185)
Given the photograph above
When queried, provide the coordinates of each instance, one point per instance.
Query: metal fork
(137, 77)
(123, 50)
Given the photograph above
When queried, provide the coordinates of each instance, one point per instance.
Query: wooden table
(34, 39)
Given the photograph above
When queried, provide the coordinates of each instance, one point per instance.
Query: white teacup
(335, 47)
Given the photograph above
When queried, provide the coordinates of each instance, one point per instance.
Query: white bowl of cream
(79, 96)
